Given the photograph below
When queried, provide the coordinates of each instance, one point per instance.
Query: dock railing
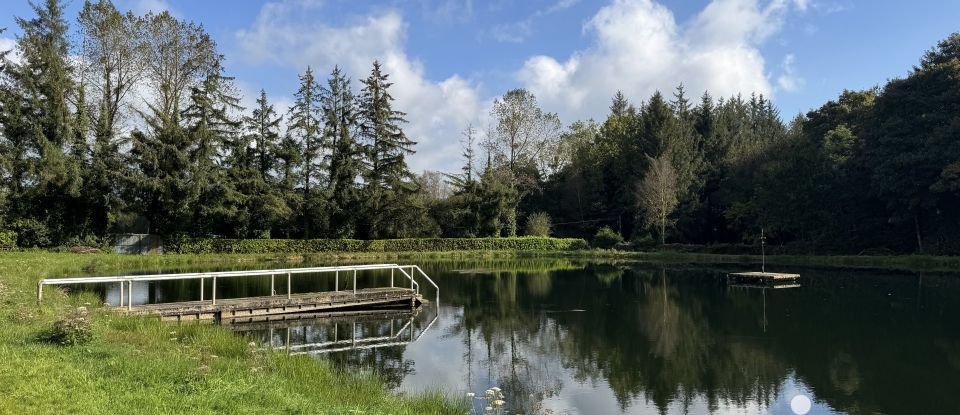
(410, 272)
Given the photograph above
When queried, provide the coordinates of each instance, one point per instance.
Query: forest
(126, 123)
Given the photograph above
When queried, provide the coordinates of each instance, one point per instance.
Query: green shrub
(297, 246)
(31, 233)
(8, 239)
(606, 238)
(538, 224)
(74, 329)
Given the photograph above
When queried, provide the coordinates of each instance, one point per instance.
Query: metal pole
(214, 290)
(201, 289)
(354, 281)
(763, 253)
(130, 296)
(273, 285)
(288, 285)
(39, 291)
(336, 281)
(121, 294)
(391, 277)
(411, 278)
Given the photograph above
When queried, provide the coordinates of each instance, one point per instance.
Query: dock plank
(247, 307)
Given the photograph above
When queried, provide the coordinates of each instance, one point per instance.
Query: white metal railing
(128, 280)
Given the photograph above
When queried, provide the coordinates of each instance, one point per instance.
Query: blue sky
(450, 58)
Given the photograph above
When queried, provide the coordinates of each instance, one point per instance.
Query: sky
(449, 59)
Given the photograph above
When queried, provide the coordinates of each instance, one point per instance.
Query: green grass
(898, 262)
(139, 365)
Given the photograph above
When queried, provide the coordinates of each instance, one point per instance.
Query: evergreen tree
(305, 127)
(343, 155)
(211, 127)
(38, 125)
(389, 183)
(251, 162)
(263, 126)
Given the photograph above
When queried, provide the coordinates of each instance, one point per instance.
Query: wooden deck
(249, 309)
(757, 277)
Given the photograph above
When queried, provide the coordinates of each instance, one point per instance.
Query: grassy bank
(138, 365)
(898, 262)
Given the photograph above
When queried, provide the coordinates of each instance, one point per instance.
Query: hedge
(296, 246)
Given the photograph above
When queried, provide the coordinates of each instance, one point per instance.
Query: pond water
(561, 336)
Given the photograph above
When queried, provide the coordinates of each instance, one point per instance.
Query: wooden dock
(764, 278)
(251, 308)
(405, 294)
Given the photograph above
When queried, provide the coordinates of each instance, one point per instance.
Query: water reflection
(618, 338)
(564, 336)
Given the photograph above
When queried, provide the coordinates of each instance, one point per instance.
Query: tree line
(128, 123)
(874, 171)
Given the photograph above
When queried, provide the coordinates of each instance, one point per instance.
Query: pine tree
(389, 182)
(344, 156)
(211, 128)
(251, 162)
(305, 126)
(38, 125)
(263, 125)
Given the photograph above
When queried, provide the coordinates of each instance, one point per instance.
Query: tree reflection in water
(557, 335)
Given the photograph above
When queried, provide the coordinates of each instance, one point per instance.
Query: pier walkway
(403, 291)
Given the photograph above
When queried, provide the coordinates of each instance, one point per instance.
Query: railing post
(130, 296)
(121, 294)
(39, 291)
(354, 281)
(201, 290)
(411, 278)
(336, 281)
(288, 285)
(391, 277)
(273, 285)
(213, 294)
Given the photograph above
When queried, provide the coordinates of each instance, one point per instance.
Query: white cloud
(640, 48)
(448, 11)
(9, 44)
(515, 32)
(562, 5)
(789, 81)
(436, 111)
(519, 31)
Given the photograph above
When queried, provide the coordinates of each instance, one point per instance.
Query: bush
(31, 233)
(8, 239)
(606, 238)
(298, 246)
(538, 224)
(74, 329)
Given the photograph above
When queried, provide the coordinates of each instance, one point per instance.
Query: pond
(563, 336)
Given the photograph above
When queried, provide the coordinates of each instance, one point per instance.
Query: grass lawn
(138, 365)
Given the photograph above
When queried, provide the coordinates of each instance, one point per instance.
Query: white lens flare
(800, 404)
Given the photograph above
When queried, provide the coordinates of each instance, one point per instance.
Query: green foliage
(8, 239)
(538, 224)
(72, 330)
(606, 238)
(292, 246)
(31, 233)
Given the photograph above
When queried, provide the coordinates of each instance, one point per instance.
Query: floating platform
(250, 309)
(764, 278)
